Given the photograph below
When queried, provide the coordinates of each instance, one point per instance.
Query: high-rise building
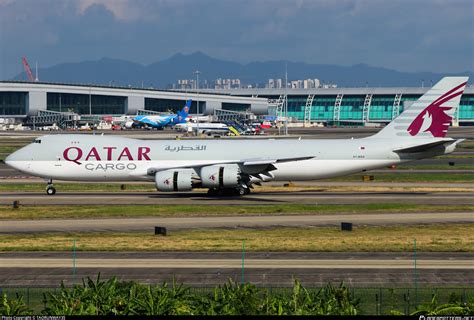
(271, 84)
(278, 83)
(296, 84)
(317, 83)
(227, 84)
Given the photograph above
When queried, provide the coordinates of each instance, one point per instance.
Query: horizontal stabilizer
(425, 146)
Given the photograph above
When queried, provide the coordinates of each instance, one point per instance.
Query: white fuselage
(137, 170)
(101, 158)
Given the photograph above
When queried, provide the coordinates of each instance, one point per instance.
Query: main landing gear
(239, 191)
(50, 189)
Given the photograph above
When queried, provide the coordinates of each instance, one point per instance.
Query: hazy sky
(424, 35)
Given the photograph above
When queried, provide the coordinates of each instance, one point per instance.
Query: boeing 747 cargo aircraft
(225, 166)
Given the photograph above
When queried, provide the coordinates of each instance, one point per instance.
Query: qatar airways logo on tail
(434, 118)
(76, 154)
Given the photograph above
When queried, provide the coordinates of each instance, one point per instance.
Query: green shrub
(92, 298)
(454, 307)
(161, 300)
(13, 307)
(231, 299)
(111, 297)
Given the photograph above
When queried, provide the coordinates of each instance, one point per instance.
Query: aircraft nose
(10, 159)
(18, 159)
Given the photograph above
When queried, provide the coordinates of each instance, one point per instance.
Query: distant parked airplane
(225, 166)
(204, 127)
(161, 121)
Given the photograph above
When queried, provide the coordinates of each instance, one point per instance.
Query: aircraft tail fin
(431, 115)
(183, 114)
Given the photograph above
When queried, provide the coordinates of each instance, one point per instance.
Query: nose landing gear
(50, 189)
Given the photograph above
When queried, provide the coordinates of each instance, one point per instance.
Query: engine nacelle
(175, 180)
(220, 176)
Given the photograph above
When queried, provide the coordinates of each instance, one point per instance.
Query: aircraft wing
(256, 165)
(258, 162)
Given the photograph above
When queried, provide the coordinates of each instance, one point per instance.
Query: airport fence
(371, 301)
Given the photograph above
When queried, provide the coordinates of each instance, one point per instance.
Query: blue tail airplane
(161, 121)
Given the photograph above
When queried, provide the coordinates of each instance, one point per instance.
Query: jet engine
(221, 176)
(176, 180)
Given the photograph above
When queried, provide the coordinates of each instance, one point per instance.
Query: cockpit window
(37, 141)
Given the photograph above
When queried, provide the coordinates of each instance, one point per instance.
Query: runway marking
(236, 263)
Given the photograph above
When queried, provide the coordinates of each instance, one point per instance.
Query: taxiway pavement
(262, 221)
(273, 197)
(264, 268)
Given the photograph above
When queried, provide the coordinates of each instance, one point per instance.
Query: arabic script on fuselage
(185, 148)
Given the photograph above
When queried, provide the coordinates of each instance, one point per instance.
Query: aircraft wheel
(50, 190)
(240, 191)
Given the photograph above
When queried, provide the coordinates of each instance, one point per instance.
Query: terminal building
(348, 105)
(35, 100)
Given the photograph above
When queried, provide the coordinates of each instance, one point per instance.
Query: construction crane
(28, 70)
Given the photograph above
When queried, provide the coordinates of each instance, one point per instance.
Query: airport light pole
(90, 100)
(286, 99)
(197, 72)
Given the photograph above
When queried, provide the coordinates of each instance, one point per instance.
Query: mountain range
(162, 74)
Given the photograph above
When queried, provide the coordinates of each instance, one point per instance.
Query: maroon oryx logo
(434, 118)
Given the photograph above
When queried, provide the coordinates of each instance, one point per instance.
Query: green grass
(446, 166)
(466, 145)
(454, 156)
(429, 238)
(410, 177)
(8, 149)
(95, 211)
